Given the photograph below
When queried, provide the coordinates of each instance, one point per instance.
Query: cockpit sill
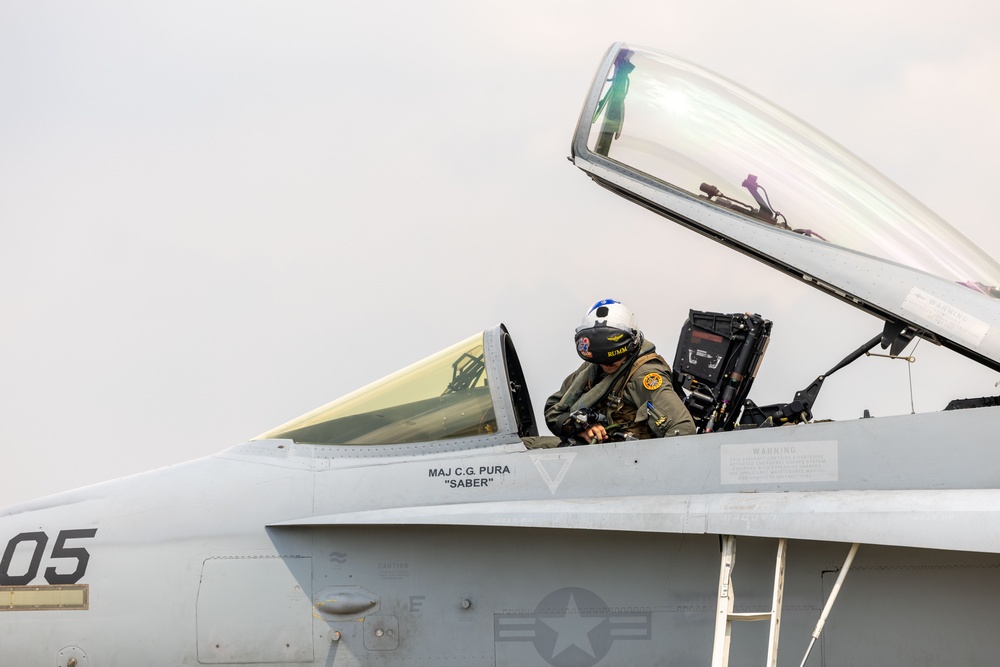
(832, 456)
(324, 456)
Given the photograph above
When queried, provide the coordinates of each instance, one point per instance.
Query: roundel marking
(573, 627)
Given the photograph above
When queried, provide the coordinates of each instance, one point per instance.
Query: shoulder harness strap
(615, 400)
(642, 360)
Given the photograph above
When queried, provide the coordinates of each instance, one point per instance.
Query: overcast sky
(217, 216)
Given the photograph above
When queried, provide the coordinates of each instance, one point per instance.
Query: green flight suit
(648, 382)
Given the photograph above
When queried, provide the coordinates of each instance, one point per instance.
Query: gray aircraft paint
(476, 551)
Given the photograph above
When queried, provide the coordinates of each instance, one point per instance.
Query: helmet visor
(603, 345)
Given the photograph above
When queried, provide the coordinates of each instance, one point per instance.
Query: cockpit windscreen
(445, 396)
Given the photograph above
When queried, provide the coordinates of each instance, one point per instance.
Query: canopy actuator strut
(894, 336)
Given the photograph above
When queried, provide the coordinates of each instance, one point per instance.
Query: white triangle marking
(553, 467)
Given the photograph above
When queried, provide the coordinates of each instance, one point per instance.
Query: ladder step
(750, 616)
(725, 617)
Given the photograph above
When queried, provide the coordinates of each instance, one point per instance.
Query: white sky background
(217, 216)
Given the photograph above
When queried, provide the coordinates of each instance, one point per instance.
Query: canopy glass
(698, 132)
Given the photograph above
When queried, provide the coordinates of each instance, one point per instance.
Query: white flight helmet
(608, 333)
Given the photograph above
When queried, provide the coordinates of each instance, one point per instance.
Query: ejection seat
(717, 359)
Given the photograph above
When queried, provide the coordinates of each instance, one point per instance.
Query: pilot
(622, 391)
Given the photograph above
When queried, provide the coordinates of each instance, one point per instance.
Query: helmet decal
(602, 302)
(583, 347)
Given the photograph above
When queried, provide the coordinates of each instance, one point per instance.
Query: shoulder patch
(652, 381)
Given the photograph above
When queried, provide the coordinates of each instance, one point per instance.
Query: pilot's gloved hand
(594, 433)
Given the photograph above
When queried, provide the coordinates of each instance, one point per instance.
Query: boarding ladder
(725, 617)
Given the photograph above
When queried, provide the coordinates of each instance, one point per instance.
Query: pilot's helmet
(607, 334)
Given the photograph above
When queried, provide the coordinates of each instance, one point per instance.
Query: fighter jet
(408, 523)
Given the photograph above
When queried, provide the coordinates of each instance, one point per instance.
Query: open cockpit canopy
(713, 156)
(471, 390)
(685, 126)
